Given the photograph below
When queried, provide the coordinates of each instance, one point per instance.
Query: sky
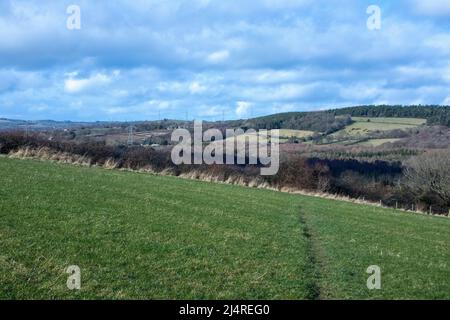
(214, 59)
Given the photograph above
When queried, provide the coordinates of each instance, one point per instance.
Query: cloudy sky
(204, 59)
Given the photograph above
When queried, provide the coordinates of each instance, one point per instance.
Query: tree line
(434, 114)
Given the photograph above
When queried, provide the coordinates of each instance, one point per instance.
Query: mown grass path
(412, 251)
(313, 258)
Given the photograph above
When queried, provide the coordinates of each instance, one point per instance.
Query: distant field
(366, 125)
(400, 121)
(141, 236)
(288, 133)
(283, 137)
(354, 141)
(254, 138)
(376, 142)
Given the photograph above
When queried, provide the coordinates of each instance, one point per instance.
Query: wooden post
(431, 211)
(396, 204)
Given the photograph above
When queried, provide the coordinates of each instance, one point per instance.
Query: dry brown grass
(110, 164)
(47, 154)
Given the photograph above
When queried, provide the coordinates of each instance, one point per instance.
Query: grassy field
(288, 133)
(250, 138)
(364, 125)
(400, 121)
(283, 136)
(375, 142)
(140, 236)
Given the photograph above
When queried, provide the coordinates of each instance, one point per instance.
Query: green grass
(399, 121)
(140, 236)
(288, 133)
(413, 251)
(363, 125)
(376, 142)
(283, 136)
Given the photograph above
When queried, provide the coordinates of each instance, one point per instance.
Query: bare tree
(430, 173)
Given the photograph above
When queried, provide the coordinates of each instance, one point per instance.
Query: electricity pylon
(130, 136)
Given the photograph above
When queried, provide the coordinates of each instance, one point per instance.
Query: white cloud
(72, 85)
(218, 56)
(446, 101)
(159, 104)
(243, 108)
(196, 87)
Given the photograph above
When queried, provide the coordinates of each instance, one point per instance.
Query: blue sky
(145, 59)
